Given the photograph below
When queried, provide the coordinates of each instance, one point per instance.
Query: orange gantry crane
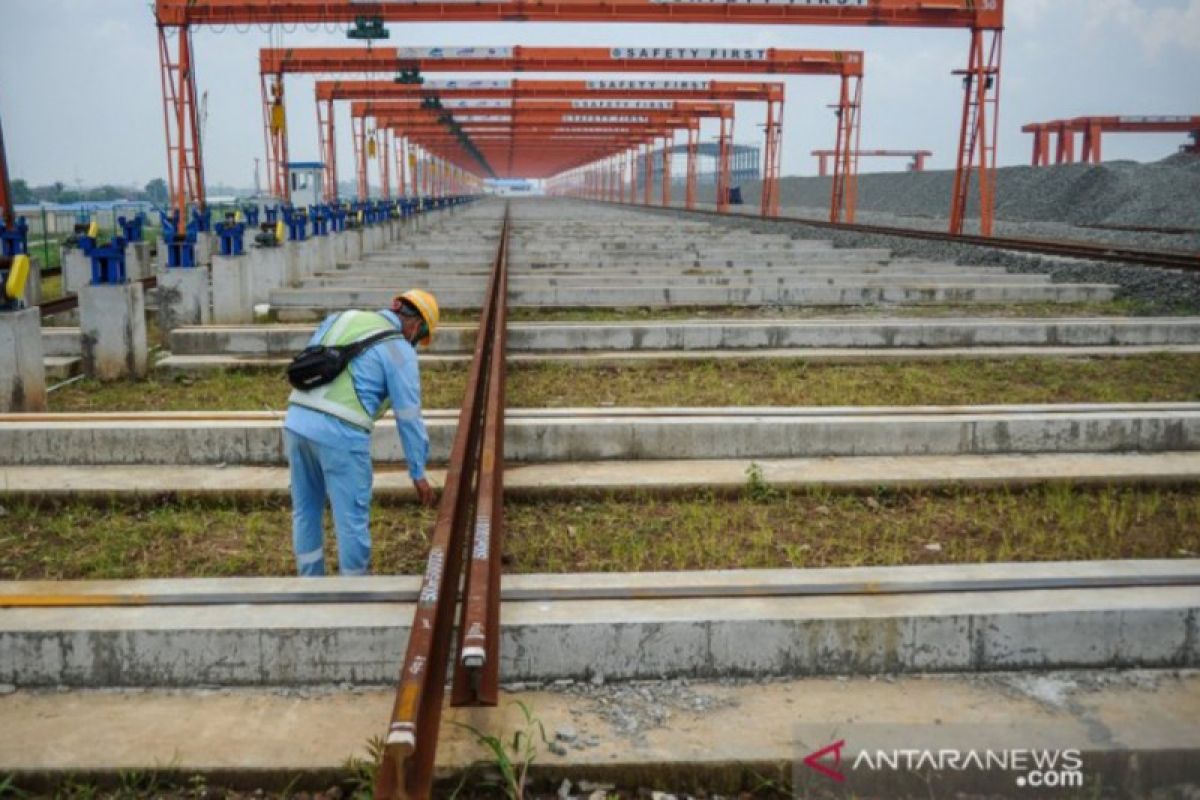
(984, 19)
(275, 63)
(594, 94)
(497, 130)
(1093, 130)
(917, 164)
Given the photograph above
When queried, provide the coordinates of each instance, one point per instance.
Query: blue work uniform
(329, 457)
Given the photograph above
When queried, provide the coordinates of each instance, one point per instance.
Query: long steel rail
(476, 463)
(1093, 251)
(749, 588)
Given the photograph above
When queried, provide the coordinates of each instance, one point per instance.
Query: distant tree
(105, 192)
(21, 192)
(156, 191)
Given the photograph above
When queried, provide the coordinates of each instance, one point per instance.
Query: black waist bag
(321, 364)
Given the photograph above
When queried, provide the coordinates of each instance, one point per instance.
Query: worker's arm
(404, 390)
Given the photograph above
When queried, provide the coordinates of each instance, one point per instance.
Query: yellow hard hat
(425, 303)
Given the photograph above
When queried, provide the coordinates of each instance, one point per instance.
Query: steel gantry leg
(275, 127)
(668, 143)
(328, 148)
(384, 149)
(693, 135)
(401, 178)
(769, 202)
(723, 155)
(977, 138)
(649, 173)
(185, 162)
(359, 125)
(844, 196)
(412, 169)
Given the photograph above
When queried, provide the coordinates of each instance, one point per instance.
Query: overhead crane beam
(525, 89)
(568, 146)
(613, 93)
(708, 60)
(983, 14)
(502, 122)
(847, 65)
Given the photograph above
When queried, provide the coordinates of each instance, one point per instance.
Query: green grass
(1163, 378)
(52, 287)
(775, 529)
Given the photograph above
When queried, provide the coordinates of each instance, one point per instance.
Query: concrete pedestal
(266, 270)
(323, 259)
(232, 297)
(297, 257)
(352, 246)
(33, 286)
(375, 238)
(184, 298)
(205, 246)
(76, 270)
(112, 323)
(22, 374)
(138, 263)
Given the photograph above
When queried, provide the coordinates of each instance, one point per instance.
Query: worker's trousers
(317, 472)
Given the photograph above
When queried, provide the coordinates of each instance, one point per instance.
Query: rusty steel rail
(476, 460)
(1092, 251)
(70, 302)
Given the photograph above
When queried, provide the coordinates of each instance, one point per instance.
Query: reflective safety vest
(338, 397)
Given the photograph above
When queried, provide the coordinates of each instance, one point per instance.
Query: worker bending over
(328, 429)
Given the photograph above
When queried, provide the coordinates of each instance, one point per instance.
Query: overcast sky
(81, 101)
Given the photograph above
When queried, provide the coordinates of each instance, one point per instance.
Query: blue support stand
(131, 229)
(181, 248)
(232, 236)
(337, 218)
(202, 220)
(319, 217)
(108, 261)
(296, 221)
(14, 242)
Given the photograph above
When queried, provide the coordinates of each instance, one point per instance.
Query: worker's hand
(424, 492)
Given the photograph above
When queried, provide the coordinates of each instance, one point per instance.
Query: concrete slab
(617, 358)
(573, 435)
(60, 368)
(733, 335)
(665, 477)
(292, 304)
(702, 631)
(1130, 728)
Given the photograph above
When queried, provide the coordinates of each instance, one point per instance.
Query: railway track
(469, 527)
(1164, 259)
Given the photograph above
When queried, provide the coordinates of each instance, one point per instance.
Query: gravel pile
(1162, 194)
